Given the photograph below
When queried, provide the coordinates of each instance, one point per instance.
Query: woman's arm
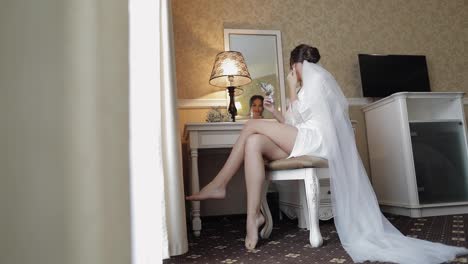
(278, 115)
(292, 84)
(301, 108)
(268, 105)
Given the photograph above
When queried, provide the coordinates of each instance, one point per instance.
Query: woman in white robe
(317, 123)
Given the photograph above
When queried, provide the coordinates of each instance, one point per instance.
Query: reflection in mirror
(263, 55)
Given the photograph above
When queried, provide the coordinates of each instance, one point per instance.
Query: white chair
(304, 168)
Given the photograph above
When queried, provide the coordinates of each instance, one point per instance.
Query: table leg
(195, 187)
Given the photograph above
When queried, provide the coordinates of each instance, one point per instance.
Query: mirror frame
(279, 54)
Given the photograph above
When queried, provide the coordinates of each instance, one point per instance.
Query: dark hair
(304, 52)
(255, 97)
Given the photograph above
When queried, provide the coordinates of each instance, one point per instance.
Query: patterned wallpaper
(340, 29)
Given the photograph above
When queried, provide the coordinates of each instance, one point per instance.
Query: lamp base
(232, 106)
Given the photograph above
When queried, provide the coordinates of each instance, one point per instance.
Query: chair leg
(312, 192)
(268, 227)
(303, 212)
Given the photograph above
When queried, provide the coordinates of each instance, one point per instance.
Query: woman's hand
(269, 105)
(292, 80)
(292, 84)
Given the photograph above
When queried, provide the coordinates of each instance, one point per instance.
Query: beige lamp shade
(229, 70)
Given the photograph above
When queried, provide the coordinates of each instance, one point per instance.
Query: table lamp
(230, 70)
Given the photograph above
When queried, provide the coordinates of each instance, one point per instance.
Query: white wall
(64, 128)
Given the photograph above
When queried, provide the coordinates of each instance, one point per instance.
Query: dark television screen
(383, 75)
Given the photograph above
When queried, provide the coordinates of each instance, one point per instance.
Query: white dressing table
(206, 136)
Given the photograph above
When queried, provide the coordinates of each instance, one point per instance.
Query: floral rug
(222, 240)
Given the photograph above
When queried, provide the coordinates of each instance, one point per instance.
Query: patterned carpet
(222, 241)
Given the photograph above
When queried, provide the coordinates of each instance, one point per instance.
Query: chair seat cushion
(300, 162)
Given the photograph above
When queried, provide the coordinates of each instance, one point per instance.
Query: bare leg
(257, 147)
(281, 134)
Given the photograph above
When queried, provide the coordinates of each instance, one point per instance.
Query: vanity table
(206, 136)
(224, 135)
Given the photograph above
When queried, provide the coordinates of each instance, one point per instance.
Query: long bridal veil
(363, 230)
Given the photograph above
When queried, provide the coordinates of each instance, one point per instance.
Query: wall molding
(200, 103)
(359, 101)
(208, 103)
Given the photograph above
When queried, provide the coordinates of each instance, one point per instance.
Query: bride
(317, 123)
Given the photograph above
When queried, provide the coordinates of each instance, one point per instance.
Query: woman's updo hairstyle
(255, 97)
(304, 52)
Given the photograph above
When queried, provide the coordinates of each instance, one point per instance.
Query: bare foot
(252, 225)
(210, 191)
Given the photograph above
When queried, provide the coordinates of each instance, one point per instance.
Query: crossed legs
(257, 147)
(258, 139)
(282, 136)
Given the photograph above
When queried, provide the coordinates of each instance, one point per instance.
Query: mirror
(262, 51)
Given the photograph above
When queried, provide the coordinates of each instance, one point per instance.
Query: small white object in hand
(269, 91)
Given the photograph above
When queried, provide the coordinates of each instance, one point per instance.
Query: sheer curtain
(158, 212)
